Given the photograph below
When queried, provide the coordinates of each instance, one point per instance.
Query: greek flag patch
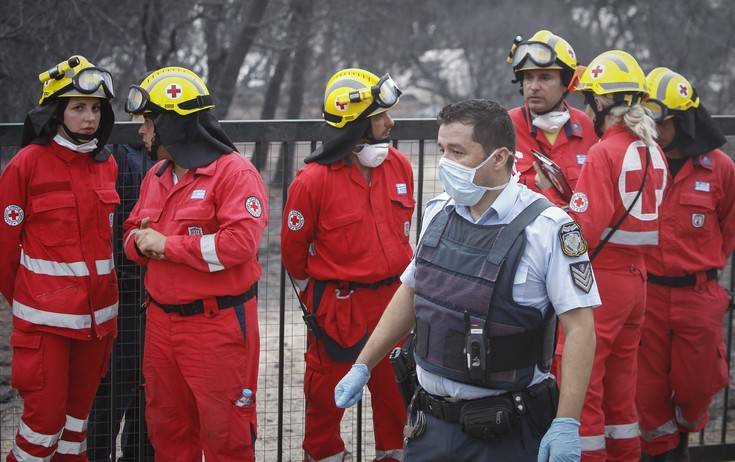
(401, 189)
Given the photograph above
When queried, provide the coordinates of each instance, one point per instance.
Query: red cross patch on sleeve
(295, 220)
(13, 215)
(252, 205)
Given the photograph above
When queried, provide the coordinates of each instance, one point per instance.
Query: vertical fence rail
(284, 136)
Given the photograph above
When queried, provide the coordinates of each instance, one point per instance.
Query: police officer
(544, 66)
(57, 272)
(345, 238)
(197, 228)
(617, 202)
(682, 361)
(479, 293)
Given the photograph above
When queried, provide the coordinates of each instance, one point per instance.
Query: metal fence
(278, 149)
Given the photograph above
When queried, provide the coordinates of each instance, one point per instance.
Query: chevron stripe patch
(582, 275)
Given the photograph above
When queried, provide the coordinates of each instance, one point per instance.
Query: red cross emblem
(683, 90)
(342, 106)
(173, 91)
(13, 215)
(252, 204)
(295, 220)
(655, 181)
(579, 202)
(597, 71)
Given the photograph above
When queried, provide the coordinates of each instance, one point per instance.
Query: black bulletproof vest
(465, 271)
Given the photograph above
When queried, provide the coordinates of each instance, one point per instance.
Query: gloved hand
(561, 442)
(349, 390)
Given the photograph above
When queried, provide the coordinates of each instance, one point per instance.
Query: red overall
(569, 150)
(345, 235)
(609, 183)
(682, 356)
(196, 366)
(58, 275)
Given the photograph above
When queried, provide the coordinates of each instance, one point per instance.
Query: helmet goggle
(139, 101)
(657, 110)
(89, 80)
(539, 53)
(384, 94)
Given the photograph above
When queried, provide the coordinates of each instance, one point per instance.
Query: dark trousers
(121, 393)
(444, 441)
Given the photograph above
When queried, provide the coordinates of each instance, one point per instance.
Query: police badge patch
(582, 275)
(572, 241)
(697, 220)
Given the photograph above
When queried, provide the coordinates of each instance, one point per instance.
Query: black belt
(449, 411)
(681, 281)
(363, 285)
(197, 306)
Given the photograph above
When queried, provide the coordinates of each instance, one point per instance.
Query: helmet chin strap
(600, 117)
(371, 138)
(155, 144)
(78, 138)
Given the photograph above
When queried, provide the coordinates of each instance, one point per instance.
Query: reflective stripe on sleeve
(209, 253)
(632, 237)
(53, 268)
(39, 439)
(22, 456)
(668, 428)
(622, 431)
(592, 443)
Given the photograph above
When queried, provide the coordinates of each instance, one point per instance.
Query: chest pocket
(341, 234)
(698, 216)
(54, 221)
(402, 206)
(196, 220)
(109, 199)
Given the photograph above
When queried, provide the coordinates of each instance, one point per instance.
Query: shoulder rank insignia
(571, 239)
(582, 275)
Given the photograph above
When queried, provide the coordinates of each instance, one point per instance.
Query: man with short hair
(544, 66)
(345, 239)
(482, 292)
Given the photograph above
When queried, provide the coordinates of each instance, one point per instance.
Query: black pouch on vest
(542, 401)
(488, 418)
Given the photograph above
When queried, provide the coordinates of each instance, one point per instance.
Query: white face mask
(372, 155)
(89, 146)
(459, 181)
(551, 121)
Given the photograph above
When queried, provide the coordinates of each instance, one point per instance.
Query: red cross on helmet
(669, 91)
(175, 89)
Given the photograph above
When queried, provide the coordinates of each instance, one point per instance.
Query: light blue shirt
(543, 277)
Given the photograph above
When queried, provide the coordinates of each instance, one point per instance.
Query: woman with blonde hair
(616, 203)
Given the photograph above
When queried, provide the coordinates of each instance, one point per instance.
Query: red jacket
(569, 150)
(57, 268)
(697, 218)
(609, 181)
(338, 227)
(213, 218)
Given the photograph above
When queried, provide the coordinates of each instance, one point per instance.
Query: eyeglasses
(384, 94)
(539, 53)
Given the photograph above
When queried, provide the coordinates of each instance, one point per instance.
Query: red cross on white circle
(13, 215)
(252, 205)
(683, 90)
(173, 91)
(579, 202)
(597, 71)
(295, 220)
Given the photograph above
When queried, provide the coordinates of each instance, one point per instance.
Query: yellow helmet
(352, 93)
(543, 50)
(669, 91)
(614, 73)
(175, 89)
(75, 77)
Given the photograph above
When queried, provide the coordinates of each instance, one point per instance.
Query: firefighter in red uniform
(616, 203)
(58, 199)
(544, 66)
(682, 355)
(345, 239)
(196, 227)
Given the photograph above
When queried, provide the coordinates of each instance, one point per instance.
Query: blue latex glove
(561, 442)
(349, 390)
